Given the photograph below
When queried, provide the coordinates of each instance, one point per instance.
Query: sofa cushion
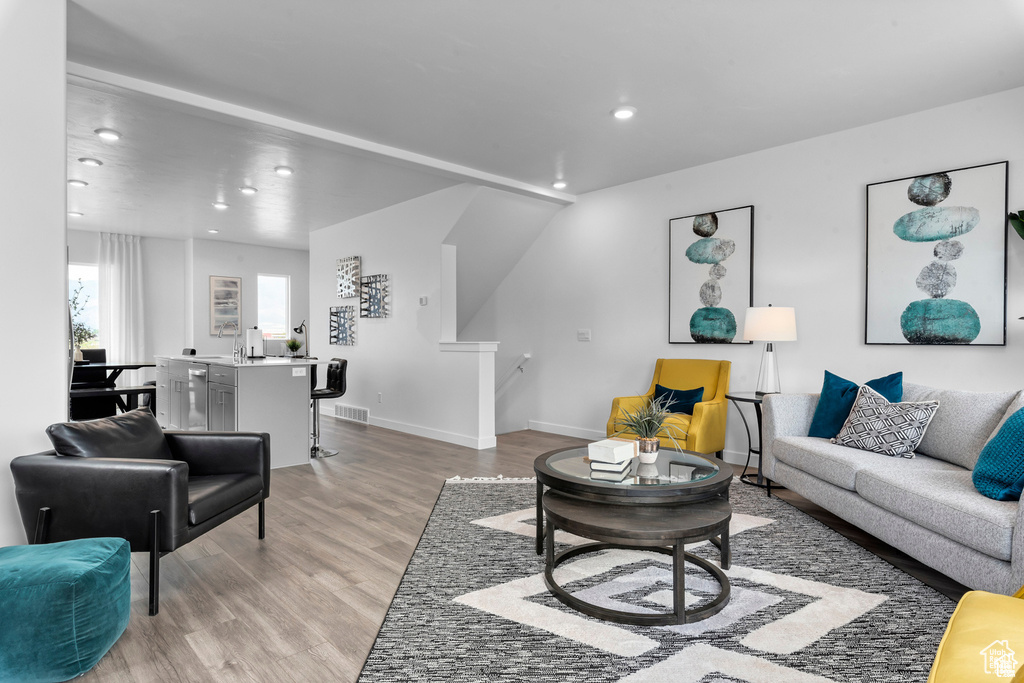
(837, 397)
(943, 500)
(963, 423)
(879, 426)
(679, 400)
(838, 465)
(213, 494)
(135, 434)
(1000, 467)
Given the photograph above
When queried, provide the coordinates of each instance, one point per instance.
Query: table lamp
(769, 324)
(301, 329)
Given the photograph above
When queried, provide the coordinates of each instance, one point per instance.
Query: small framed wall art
(375, 296)
(343, 325)
(348, 277)
(710, 275)
(936, 258)
(225, 302)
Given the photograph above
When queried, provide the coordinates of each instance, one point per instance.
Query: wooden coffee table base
(640, 528)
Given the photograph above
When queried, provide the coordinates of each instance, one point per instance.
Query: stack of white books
(610, 460)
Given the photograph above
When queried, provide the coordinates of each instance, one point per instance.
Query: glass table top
(672, 468)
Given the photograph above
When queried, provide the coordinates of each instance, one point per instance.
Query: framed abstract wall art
(374, 296)
(348, 277)
(343, 325)
(225, 303)
(936, 258)
(711, 276)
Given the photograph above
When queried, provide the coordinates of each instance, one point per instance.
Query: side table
(737, 398)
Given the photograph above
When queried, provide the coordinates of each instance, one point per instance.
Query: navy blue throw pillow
(999, 472)
(837, 398)
(681, 400)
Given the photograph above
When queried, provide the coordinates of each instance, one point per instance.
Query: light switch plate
(299, 372)
(582, 335)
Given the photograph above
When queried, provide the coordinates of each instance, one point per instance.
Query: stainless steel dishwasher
(197, 397)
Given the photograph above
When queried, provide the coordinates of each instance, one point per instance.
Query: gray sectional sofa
(926, 506)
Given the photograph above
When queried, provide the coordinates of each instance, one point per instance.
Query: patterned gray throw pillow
(878, 426)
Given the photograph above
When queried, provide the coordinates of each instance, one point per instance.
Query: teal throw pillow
(999, 473)
(680, 400)
(837, 397)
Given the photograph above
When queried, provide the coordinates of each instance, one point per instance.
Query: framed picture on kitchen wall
(225, 303)
(936, 258)
(710, 276)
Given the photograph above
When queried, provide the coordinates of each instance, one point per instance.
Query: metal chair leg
(317, 451)
(263, 524)
(42, 526)
(154, 562)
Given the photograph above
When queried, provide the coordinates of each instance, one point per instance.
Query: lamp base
(768, 374)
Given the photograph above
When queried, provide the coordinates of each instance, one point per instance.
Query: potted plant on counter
(647, 423)
(293, 346)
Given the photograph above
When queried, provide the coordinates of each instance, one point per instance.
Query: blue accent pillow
(999, 473)
(681, 400)
(837, 397)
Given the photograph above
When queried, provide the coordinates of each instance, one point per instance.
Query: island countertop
(269, 361)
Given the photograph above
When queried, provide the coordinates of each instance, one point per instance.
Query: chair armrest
(783, 415)
(620, 405)
(93, 497)
(707, 426)
(223, 453)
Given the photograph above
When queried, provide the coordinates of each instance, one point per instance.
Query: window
(83, 298)
(272, 301)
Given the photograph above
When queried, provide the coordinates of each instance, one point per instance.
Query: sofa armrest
(707, 426)
(93, 497)
(783, 415)
(223, 453)
(1017, 550)
(619, 405)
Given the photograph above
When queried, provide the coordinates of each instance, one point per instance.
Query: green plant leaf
(1017, 221)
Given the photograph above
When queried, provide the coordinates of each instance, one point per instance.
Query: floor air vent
(352, 413)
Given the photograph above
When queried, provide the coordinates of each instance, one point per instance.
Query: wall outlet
(380, 397)
(582, 335)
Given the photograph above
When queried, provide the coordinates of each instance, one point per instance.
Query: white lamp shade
(770, 324)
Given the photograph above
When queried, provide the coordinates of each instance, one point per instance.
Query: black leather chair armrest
(92, 497)
(223, 453)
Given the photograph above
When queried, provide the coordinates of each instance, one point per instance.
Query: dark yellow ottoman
(62, 606)
(984, 640)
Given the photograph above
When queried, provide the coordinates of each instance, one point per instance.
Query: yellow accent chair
(984, 640)
(705, 429)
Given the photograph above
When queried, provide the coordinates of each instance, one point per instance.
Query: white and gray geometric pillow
(878, 426)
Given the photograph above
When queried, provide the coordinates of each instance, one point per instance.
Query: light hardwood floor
(305, 604)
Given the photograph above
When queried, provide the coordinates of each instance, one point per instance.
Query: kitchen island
(215, 393)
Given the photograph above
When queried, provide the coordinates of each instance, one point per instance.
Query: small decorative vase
(647, 473)
(78, 354)
(648, 450)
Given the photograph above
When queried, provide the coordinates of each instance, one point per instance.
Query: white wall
(33, 272)
(210, 257)
(424, 390)
(603, 264)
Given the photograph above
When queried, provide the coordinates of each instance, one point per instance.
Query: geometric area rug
(807, 604)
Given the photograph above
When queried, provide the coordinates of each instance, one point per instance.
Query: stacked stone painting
(936, 250)
(711, 260)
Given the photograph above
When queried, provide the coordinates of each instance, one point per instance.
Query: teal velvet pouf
(62, 606)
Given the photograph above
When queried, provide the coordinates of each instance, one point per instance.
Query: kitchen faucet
(235, 348)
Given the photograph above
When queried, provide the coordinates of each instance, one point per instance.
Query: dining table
(126, 398)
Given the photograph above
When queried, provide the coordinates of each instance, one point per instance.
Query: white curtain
(121, 300)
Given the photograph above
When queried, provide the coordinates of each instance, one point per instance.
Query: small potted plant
(293, 346)
(648, 423)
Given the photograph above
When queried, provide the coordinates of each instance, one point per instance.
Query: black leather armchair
(123, 476)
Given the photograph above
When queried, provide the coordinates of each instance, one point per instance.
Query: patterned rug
(807, 604)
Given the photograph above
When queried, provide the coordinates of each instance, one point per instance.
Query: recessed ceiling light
(220, 205)
(74, 182)
(90, 162)
(108, 134)
(283, 170)
(248, 189)
(212, 231)
(624, 112)
(75, 214)
(559, 184)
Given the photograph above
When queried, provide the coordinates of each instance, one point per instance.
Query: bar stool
(335, 388)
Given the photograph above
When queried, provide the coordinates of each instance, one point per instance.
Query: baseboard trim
(564, 430)
(477, 443)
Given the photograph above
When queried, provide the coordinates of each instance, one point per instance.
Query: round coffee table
(682, 498)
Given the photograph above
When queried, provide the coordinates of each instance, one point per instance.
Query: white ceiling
(521, 89)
